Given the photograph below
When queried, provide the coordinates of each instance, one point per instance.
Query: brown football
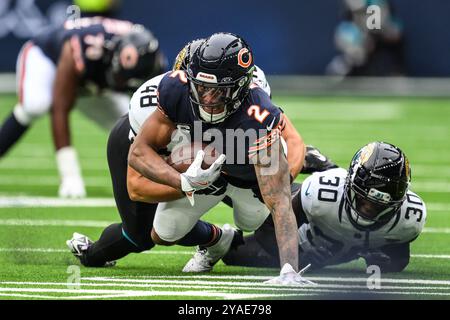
(182, 156)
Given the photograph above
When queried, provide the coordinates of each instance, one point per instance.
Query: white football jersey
(329, 224)
(144, 101)
(259, 78)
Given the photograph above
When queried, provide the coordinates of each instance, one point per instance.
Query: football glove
(217, 188)
(72, 185)
(315, 161)
(375, 257)
(288, 276)
(195, 178)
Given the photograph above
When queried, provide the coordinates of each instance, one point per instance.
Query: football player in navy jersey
(97, 59)
(366, 211)
(137, 197)
(216, 102)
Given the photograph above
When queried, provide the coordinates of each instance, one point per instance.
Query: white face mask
(212, 118)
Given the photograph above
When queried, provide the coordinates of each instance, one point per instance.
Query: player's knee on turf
(157, 240)
(37, 107)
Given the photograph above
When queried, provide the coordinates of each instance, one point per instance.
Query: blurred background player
(367, 211)
(105, 8)
(367, 51)
(98, 58)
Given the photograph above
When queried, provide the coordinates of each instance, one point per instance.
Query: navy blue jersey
(88, 38)
(239, 136)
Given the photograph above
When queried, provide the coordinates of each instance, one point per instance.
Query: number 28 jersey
(331, 226)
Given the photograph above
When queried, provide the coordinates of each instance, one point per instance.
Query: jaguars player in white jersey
(367, 211)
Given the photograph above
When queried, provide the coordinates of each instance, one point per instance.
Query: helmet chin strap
(212, 118)
(360, 220)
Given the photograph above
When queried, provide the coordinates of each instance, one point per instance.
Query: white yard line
(54, 223)
(93, 293)
(261, 284)
(14, 180)
(431, 256)
(230, 285)
(55, 250)
(175, 252)
(93, 181)
(436, 230)
(18, 201)
(26, 201)
(249, 277)
(104, 223)
(102, 293)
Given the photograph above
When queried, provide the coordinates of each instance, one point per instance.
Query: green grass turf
(337, 125)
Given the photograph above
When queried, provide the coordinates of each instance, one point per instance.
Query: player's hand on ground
(318, 256)
(375, 257)
(289, 277)
(196, 178)
(72, 187)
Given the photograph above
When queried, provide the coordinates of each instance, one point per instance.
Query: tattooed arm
(272, 172)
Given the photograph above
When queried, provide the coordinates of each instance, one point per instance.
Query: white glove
(72, 185)
(289, 277)
(195, 178)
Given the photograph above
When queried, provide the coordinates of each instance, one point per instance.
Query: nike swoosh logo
(202, 183)
(269, 127)
(307, 189)
(318, 155)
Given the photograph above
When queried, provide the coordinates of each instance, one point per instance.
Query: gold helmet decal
(366, 152)
(407, 168)
(179, 59)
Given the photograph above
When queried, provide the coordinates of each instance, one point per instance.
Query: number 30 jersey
(331, 226)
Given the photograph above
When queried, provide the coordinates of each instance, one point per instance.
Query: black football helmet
(135, 57)
(219, 73)
(377, 182)
(185, 55)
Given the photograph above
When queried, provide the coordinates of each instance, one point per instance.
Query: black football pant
(133, 234)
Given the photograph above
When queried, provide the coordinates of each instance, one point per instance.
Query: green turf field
(34, 224)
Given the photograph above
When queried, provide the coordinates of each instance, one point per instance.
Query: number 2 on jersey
(255, 112)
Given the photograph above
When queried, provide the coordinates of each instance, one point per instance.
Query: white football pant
(174, 219)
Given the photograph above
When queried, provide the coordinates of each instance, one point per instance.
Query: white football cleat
(204, 259)
(79, 244)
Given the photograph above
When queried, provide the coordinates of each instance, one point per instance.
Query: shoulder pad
(170, 91)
